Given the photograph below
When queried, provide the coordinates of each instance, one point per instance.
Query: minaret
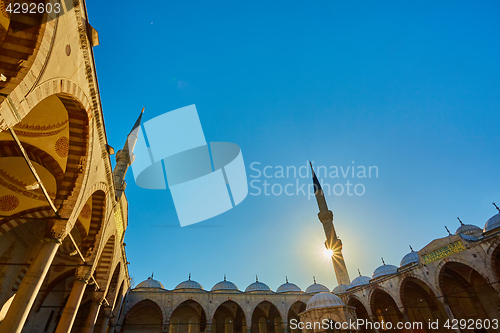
(125, 157)
(332, 241)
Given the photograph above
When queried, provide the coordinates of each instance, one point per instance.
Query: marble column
(68, 316)
(95, 306)
(30, 286)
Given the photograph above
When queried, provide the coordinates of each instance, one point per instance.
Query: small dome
(189, 284)
(225, 286)
(150, 283)
(288, 288)
(317, 288)
(340, 289)
(384, 270)
(492, 223)
(257, 286)
(408, 259)
(469, 230)
(469, 238)
(359, 281)
(324, 300)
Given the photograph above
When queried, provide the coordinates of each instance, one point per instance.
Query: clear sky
(411, 87)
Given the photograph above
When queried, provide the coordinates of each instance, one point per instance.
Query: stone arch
(267, 310)
(361, 311)
(293, 313)
(185, 312)
(61, 163)
(420, 302)
(384, 306)
(229, 309)
(145, 316)
(103, 268)
(32, 51)
(493, 261)
(467, 292)
(439, 268)
(218, 302)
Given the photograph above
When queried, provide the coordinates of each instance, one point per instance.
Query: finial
(496, 207)
(359, 272)
(256, 278)
(411, 249)
(189, 279)
(286, 278)
(461, 223)
(153, 273)
(449, 233)
(383, 261)
(224, 277)
(314, 279)
(142, 111)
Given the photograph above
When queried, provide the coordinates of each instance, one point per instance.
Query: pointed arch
(103, 268)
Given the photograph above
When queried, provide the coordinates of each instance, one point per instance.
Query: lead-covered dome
(150, 283)
(288, 288)
(258, 286)
(359, 281)
(324, 300)
(317, 288)
(469, 230)
(189, 284)
(340, 289)
(384, 270)
(226, 286)
(492, 223)
(409, 259)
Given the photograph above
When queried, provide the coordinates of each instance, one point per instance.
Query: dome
(288, 288)
(384, 270)
(150, 283)
(324, 300)
(317, 288)
(340, 289)
(469, 230)
(492, 223)
(189, 284)
(359, 281)
(408, 259)
(257, 286)
(469, 238)
(225, 286)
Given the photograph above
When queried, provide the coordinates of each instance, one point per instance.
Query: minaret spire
(125, 157)
(332, 241)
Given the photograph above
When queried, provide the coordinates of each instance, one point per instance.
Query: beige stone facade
(63, 216)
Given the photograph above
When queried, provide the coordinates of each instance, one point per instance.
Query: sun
(328, 252)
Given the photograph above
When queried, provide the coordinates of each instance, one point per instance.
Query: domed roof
(225, 286)
(316, 288)
(257, 286)
(469, 229)
(359, 281)
(324, 300)
(408, 259)
(189, 284)
(340, 289)
(288, 288)
(492, 223)
(150, 283)
(384, 270)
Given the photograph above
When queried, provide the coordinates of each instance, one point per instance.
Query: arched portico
(266, 318)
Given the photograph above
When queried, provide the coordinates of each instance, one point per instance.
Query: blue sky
(410, 87)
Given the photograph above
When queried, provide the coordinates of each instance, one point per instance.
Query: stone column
(116, 315)
(372, 317)
(208, 328)
(68, 316)
(29, 287)
(105, 320)
(95, 306)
